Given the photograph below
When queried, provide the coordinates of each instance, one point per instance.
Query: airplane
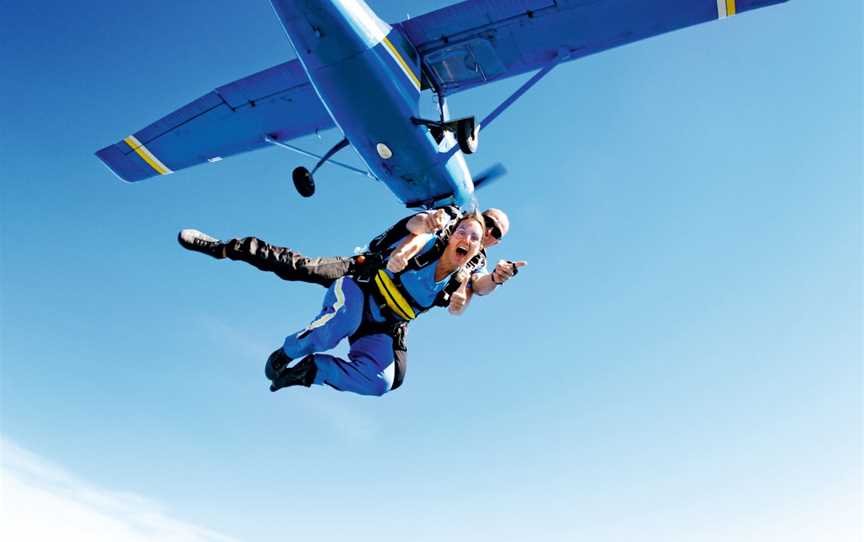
(365, 77)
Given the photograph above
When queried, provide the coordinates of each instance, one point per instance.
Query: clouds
(41, 501)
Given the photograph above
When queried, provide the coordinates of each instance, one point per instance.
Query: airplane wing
(235, 118)
(479, 41)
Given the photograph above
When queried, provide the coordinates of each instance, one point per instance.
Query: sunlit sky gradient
(680, 361)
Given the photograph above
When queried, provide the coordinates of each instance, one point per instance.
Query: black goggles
(492, 227)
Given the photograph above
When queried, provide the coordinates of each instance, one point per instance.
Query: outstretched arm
(504, 270)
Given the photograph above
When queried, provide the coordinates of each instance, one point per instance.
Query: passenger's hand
(459, 300)
(436, 220)
(397, 261)
(506, 270)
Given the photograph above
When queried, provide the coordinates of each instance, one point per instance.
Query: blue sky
(681, 359)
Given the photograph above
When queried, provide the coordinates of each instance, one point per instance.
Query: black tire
(303, 182)
(468, 135)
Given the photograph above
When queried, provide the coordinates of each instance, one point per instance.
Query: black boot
(302, 374)
(275, 363)
(201, 242)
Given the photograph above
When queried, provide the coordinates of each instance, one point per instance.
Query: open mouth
(462, 251)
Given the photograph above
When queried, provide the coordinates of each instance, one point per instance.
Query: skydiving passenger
(372, 309)
(291, 265)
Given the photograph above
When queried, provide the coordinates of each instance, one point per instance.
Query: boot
(275, 363)
(201, 242)
(302, 374)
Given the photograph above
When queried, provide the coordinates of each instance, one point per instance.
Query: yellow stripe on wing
(725, 8)
(147, 156)
(398, 57)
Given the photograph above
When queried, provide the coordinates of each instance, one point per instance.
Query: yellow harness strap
(393, 297)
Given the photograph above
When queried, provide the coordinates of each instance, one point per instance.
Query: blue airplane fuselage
(368, 76)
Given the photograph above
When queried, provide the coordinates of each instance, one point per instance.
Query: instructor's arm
(504, 271)
(427, 222)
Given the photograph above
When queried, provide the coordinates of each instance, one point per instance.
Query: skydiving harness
(393, 299)
(389, 293)
(394, 302)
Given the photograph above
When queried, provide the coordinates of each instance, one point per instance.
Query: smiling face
(465, 242)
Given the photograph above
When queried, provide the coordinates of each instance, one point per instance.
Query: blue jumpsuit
(370, 368)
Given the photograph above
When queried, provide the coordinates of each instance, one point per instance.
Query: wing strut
(298, 150)
(563, 55)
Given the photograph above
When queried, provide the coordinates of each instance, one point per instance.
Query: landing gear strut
(303, 179)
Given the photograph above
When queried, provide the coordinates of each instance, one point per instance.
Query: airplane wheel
(468, 135)
(303, 182)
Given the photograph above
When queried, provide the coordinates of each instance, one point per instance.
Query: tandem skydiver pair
(432, 258)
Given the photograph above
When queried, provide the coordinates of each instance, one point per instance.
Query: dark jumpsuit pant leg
(288, 264)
